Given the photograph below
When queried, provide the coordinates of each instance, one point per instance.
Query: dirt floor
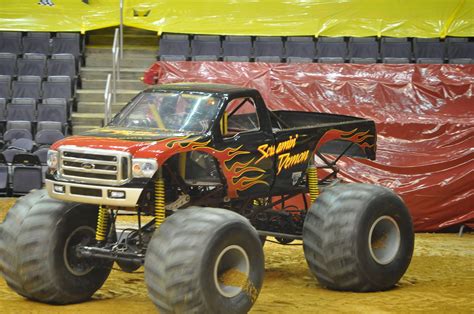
(440, 279)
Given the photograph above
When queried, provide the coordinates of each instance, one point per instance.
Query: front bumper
(93, 194)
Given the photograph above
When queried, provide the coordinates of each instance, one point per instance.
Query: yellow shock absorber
(159, 200)
(312, 176)
(102, 222)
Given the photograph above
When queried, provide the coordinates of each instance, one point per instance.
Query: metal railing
(121, 29)
(110, 93)
(108, 100)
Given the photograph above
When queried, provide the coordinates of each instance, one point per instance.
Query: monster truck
(216, 173)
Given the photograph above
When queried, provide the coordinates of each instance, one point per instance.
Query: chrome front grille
(98, 166)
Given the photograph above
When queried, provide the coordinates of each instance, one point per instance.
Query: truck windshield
(169, 111)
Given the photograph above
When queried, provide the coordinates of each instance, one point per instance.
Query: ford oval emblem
(88, 166)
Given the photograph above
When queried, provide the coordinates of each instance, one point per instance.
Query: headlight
(52, 159)
(144, 167)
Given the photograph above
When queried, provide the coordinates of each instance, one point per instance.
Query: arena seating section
(38, 79)
(456, 50)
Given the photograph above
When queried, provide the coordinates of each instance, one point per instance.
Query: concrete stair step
(101, 73)
(78, 129)
(104, 60)
(96, 95)
(135, 39)
(122, 84)
(97, 107)
(93, 119)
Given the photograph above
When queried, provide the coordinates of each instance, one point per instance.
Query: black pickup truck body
(267, 158)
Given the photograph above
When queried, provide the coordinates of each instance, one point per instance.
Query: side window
(240, 116)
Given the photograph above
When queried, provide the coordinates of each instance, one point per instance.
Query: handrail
(116, 52)
(121, 29)
(107, 100)
(110, 93)
(115, 71)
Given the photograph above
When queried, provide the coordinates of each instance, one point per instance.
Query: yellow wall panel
(398, 18)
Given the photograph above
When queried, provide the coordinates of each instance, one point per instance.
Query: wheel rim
(78, 266)
(231, 271)
(384, 240)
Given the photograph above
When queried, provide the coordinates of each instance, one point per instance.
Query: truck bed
(334, 134)
(299, 119)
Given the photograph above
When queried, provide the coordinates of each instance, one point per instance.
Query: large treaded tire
(9, 232)
(32, 250)
(336, 236)
(182, 256)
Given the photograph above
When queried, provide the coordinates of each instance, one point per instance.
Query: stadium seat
(21, 109)
(3, 104)
(37, 42)
(10, 42)
(48, 137)
(172, 58)
(429, 60)
(18, 146)
(16, 130)
(298, 60)
(4, 178)
(62, 64)
(331, 60)
(9, 153)
(53, 109)
(205, 46)
(331, 47)
(428, 48)
(42, 154)
(236, 59)
(8, 64)
(23, 144)
(459, 48)
(27, 87)
(237, 48)
(396, 60)
(395, 48)
(363, 60)
(27, 174)
(268, 59)
(5, 86)
(174, 46)
(461, 61)
(300, 47)
(49, 125)
(66, 43)
(269, 47)
(57, 87)
(175, 36)
(32, 64)
(204, 58)
(363, 48)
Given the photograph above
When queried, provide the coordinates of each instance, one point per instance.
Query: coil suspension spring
(312, 176)
(159, 200)
(102, 223)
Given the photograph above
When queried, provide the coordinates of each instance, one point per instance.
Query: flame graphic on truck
(240, 175)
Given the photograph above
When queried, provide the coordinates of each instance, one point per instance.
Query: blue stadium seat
(206, 47)
(331, 47)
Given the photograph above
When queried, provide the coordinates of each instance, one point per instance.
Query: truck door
(243, 131)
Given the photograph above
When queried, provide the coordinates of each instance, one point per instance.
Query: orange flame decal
(359, 138)
(237, 173)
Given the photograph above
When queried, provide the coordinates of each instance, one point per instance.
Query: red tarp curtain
(424, 116)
